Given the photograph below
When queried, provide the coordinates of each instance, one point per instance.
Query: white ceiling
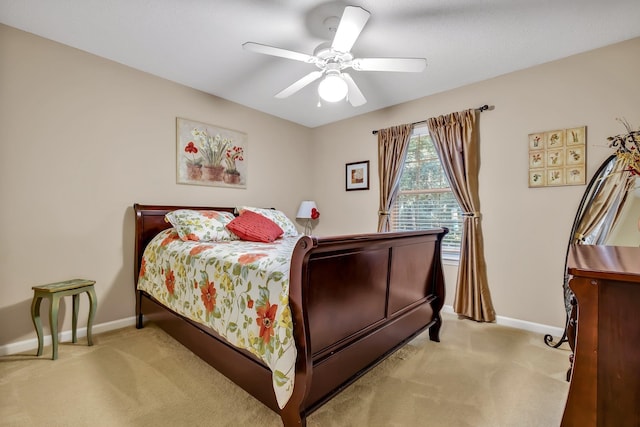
(198, 43)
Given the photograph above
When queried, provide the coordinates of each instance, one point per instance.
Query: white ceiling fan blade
(410, 65)
(276, 51)
(355, 96)
(311, 77)
(351, 24)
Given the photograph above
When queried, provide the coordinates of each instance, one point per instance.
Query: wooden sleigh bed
(354, 300)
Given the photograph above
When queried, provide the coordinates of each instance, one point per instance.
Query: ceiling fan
(333, 58)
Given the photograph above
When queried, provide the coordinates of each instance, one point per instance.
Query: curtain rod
(485, 107)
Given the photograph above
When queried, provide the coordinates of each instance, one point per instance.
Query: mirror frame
(587, 199)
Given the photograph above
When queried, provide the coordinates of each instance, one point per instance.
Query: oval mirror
(608, 214)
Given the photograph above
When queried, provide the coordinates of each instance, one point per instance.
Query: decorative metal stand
(548, 338)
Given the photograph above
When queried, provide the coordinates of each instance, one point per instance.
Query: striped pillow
(255, 227)
(288, 228)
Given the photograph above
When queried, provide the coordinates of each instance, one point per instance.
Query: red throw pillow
(255, 228)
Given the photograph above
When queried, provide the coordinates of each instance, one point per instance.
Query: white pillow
(201, 226)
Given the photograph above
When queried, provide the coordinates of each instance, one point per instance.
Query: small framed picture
(357, 176)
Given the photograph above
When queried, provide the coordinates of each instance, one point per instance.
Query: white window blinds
(425, 199)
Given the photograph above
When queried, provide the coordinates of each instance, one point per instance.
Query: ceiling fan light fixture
(333, 88)
(334, 58)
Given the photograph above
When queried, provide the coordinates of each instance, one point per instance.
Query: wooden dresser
(605, 382)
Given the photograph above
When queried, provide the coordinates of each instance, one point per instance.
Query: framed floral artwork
(557, 157)
(210, 155)
(357, 176)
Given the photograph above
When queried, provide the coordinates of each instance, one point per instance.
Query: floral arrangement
(213, 148)
(627, 147)
(193, 150)
(233, 154)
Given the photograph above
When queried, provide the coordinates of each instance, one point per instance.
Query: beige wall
(526, 230)
(83, 138)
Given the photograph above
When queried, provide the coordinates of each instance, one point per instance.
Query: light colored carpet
(478, 375)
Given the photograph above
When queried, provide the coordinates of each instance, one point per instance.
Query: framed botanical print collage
(557, 157)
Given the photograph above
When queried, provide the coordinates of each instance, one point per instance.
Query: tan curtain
(392, 150)
(610, 195)
(456, 140)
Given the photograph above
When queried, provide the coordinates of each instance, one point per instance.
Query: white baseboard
(537, 328)
(32, 344)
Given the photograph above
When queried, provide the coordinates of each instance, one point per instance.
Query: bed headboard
(150, 221)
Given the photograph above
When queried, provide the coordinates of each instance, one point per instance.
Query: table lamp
(309, 211)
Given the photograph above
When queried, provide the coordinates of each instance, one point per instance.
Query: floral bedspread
(238, 288)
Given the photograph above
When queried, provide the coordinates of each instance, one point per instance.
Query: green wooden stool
(55, 291)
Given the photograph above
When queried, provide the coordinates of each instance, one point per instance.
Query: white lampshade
(305, 209)
(333, 88)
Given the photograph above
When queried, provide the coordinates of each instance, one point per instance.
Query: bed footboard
(359, 298)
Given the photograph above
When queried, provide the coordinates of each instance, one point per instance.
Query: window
(425, 199)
